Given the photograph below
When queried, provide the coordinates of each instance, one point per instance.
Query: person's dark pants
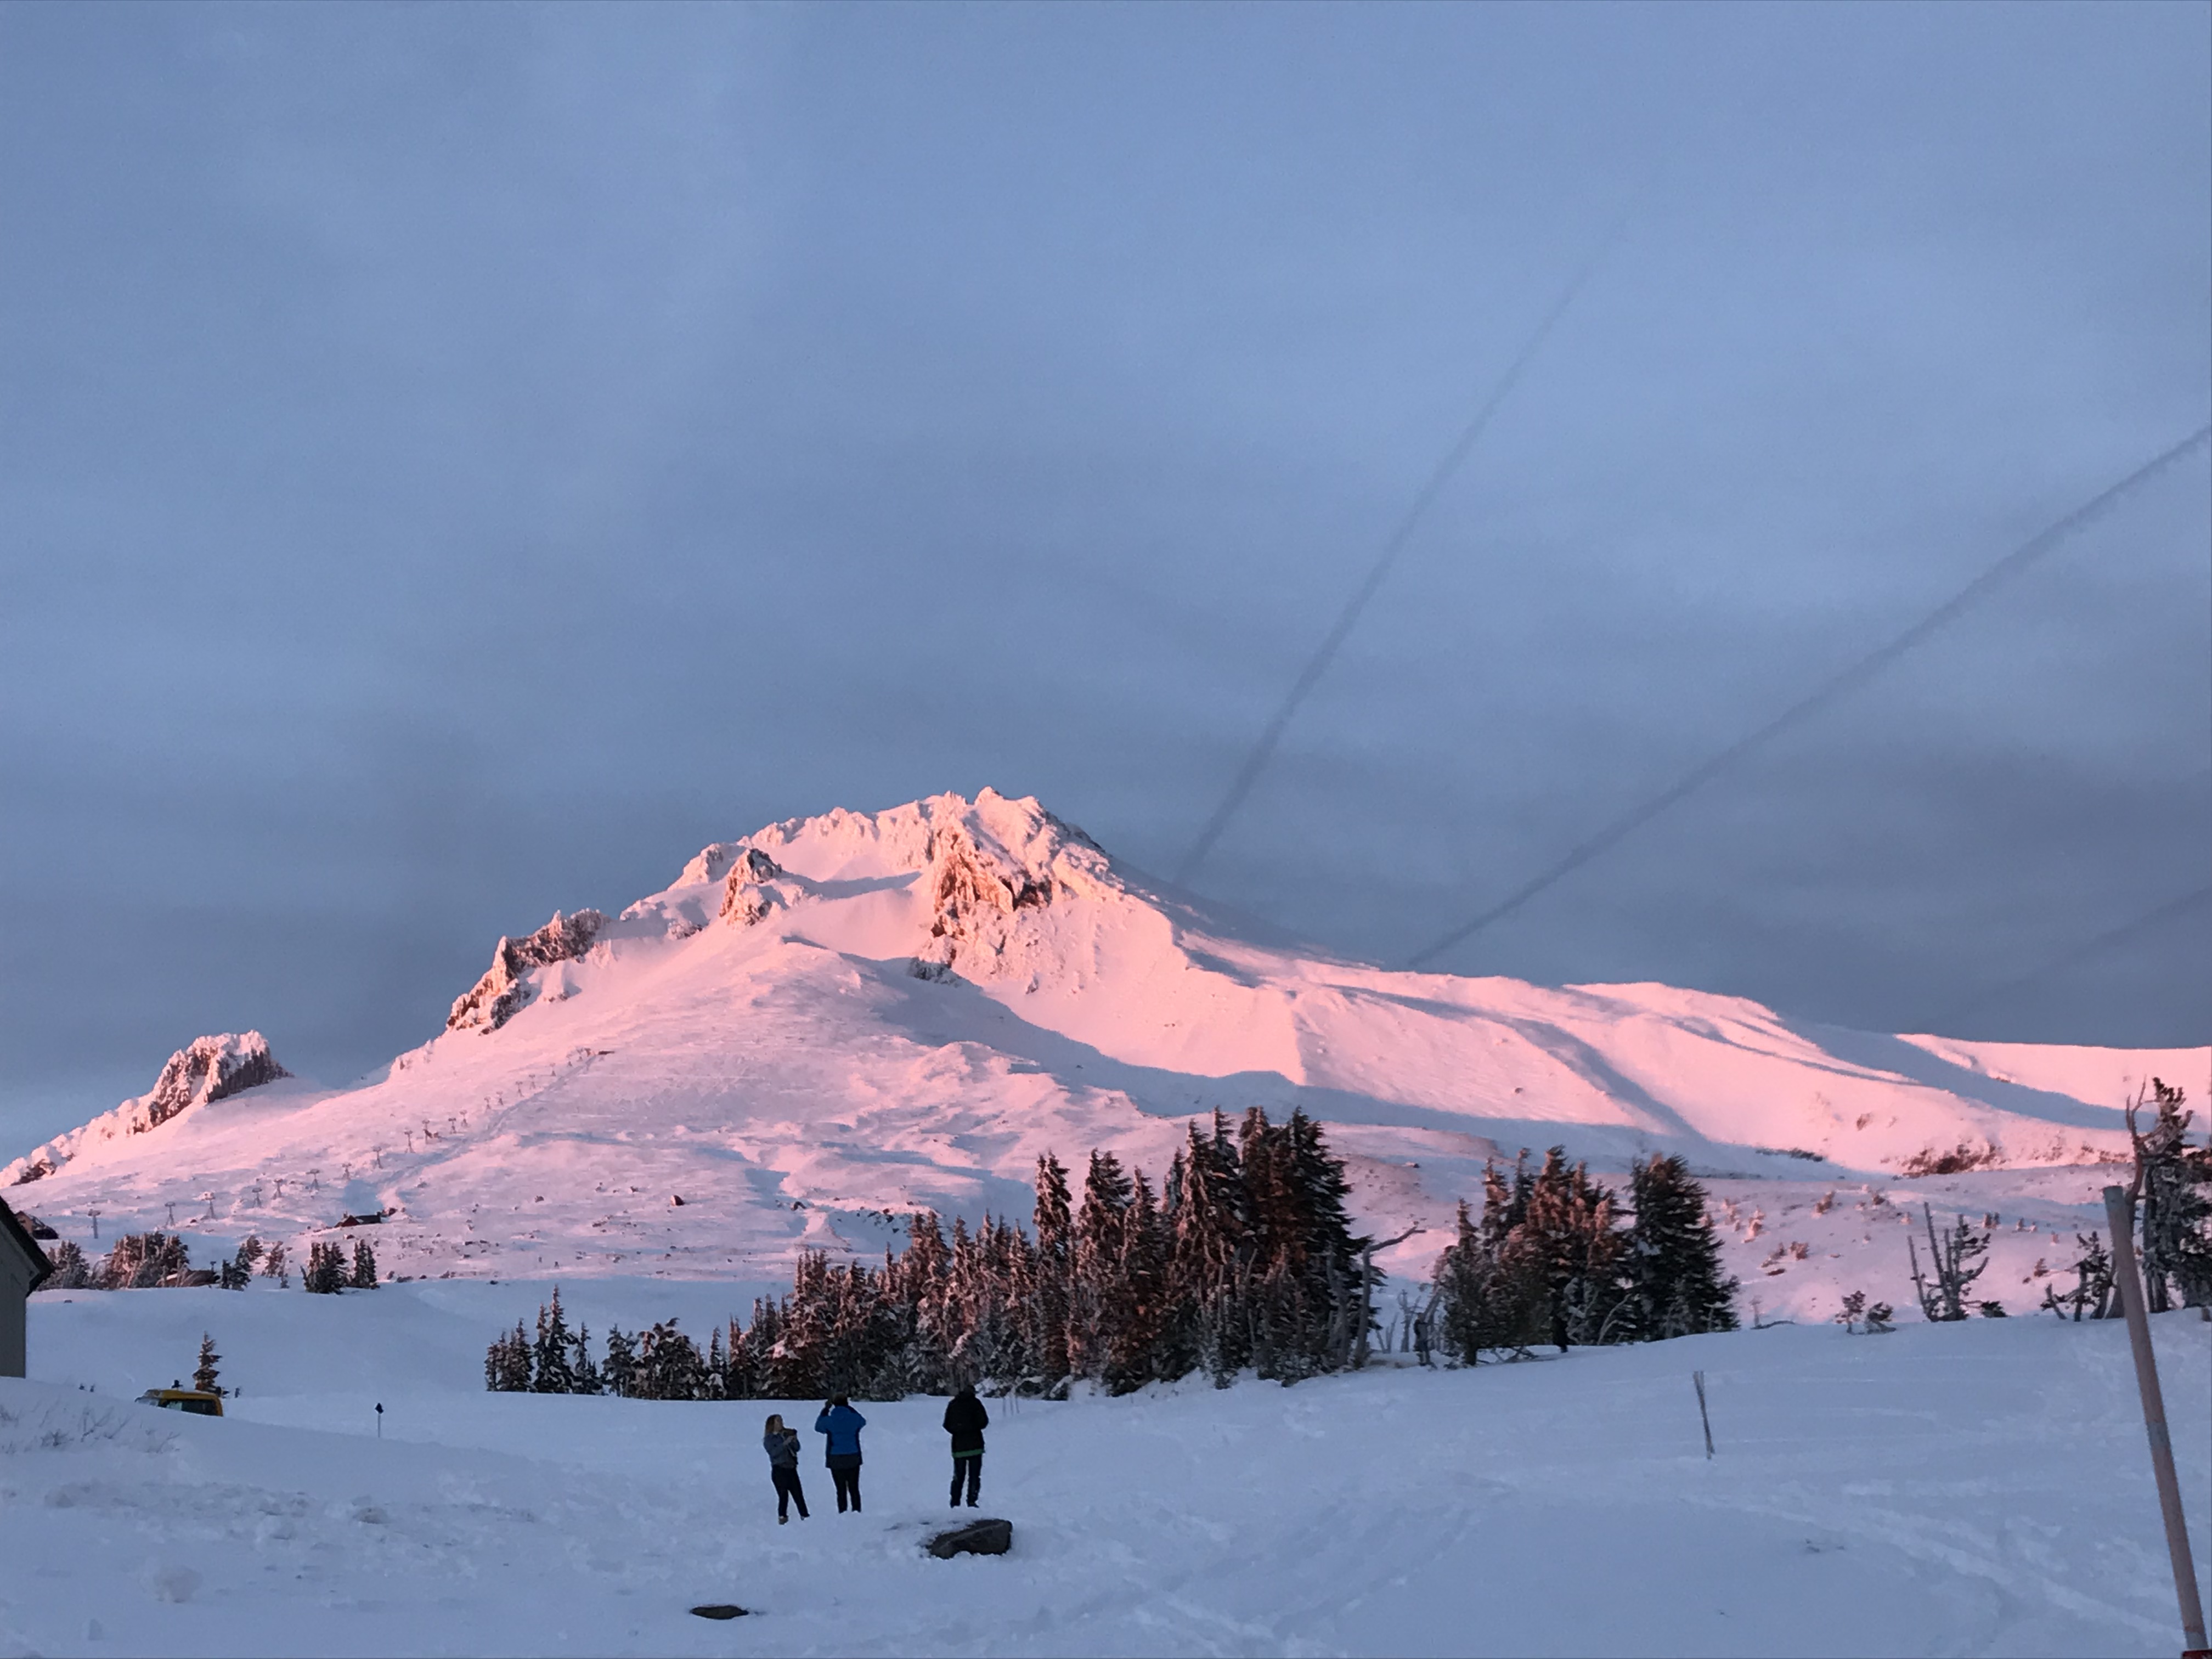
(971, 1469)
(847, 1478)
(787, 1492)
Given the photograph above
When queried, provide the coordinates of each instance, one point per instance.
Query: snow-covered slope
(1977, 1488)
(836, 1019)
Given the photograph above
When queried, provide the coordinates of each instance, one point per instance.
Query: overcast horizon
(460, 460)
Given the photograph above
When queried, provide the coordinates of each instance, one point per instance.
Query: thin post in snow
(1704, 1417)
(2119, 1210)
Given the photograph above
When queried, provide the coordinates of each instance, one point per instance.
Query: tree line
(158, 1261)
(1245, 1258)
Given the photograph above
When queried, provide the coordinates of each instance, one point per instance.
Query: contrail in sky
(1332, 641)
(2105, 941)
(1849, 680)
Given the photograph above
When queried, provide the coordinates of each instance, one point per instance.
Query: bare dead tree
(1955, 1259)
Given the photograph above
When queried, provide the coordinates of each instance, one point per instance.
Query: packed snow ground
(1980, 1488)
(918, 1002)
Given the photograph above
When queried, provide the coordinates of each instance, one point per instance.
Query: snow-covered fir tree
(619, 1373)
(552, 1370)
(2176, 1219)
(1672, 1265)
(325, 1273)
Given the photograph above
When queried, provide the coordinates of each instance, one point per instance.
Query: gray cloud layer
(457, 460)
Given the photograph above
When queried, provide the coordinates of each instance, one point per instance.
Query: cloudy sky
(455, 461)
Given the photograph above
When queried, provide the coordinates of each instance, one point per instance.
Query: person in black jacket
(965, 1419)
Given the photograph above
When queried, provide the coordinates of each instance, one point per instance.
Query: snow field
(1980, 1488)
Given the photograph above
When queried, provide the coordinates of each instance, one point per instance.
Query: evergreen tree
(71, 1270)
(1320, 1190)
(739, 1366)
(716, 1374)
(999, 1347)
(237, 1273)
(551, 1370)
(1493, 1280)
(1211, 1246)
(1672, 1263)
(620, 1371)
(1567, 1222)
(141, 1261)
(799, 1368)
(2171, 1177)
(763, 1347)
(205, 1378)
(1462, 1287)
(507, 1364)
(272, 1265)
(1136, 1318)
(327, 1272)
(580, 1368)
(1055, 1272)
(669, 1364)
(1099, 1229)
(363, 1277)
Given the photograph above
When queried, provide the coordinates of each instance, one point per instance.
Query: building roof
(13, 1229)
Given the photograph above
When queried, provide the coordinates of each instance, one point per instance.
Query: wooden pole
(2119, 1210)
(1698, 1377)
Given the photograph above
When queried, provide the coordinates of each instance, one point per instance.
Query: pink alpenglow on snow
(834, 1021)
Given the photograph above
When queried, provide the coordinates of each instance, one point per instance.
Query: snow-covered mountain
(823, 1024)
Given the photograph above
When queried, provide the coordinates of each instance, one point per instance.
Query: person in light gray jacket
(782, 1447)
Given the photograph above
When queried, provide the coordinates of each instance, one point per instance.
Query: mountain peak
(837, 1018)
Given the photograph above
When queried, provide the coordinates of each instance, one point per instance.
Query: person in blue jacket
(843, 1425)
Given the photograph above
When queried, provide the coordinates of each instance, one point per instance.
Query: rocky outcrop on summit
(744, 899)
(209, 1068)
(499, 994)
(979, 890)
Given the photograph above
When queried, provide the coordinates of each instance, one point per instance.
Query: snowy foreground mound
(835, 1020)
(1975, 1488)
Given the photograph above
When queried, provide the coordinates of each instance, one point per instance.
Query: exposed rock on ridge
(979, 888)
(499, 994)
(745, 900)
(209, 1068)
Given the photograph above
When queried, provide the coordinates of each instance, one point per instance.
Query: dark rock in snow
(720, 1610)
(976, 1538)
(499, 994)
